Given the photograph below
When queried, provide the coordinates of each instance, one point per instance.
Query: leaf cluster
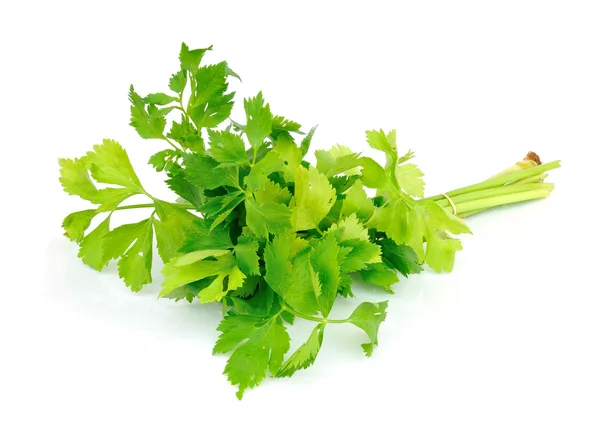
(255, 226)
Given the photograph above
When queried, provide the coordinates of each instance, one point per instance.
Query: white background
(508, 340)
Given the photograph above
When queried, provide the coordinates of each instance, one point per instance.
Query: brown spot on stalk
(532, 156)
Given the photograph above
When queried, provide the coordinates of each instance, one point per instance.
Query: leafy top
(255, 226)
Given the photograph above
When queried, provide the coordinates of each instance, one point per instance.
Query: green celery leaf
(282, 126)
(189, 291)
(339, 159)
(246, 254)
(172, 227)
(401, 257)
(410, 178)
(209, 103)
(186, 134)
(380, 274)
(148, 126)
(350, 228)
(313, 198)
(258, 120)
(119, 240)
(290, 274)
(211, 83)
(271, 192)
(163, 159)
(305, 355)
(324, 259)
(90, 248)
(75, 179)
(178, 81)
(290, 154)
(303, 289)
(132, 245)
(159, 99)
(110, 164)
(392, 220)
(228, 276)
(373, 175)
(201, 239)
(263, 350)
(227, 148)
(361, 253)
(441, 249)
(386, 143)
(257, 178)
(369, 316)
(357, 202)
(267, 218)
(428, 220)
(218, 209)
(234, 330)
(203, 172)
(190, 58)
(109, 198)
(260, 303)
(178, 183)
(305, 144)
(76, 223)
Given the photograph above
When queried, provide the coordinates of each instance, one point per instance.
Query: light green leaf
(210, 102)
(380, 274)
(187, 135)
(369, 316)
(190, 58)
(223, 284)
(135, 265)
(373, 175)
(171, 229)
(386, 143)
(264, 350)
(178, 81)
(246, 254)
(267, 218)
(148, 126)
(272, 193)
(258, 120)
(357, 202)
(278, 259)
(118, 241)
(305, 144)
(303, 287)
(351, 228)
(339, 159)
(110, 164)
(224, 268)
(313, 198)
(76, 223)
(75, 179)
(227, 148)
(305, 355)
(289, 153)
(203, 172)
(159, 99)
(360, 254)
(410, 179)
(234, 330)
(257, 178)
(324, 260)
(392, 220)
(90, 248)
(441, 250)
